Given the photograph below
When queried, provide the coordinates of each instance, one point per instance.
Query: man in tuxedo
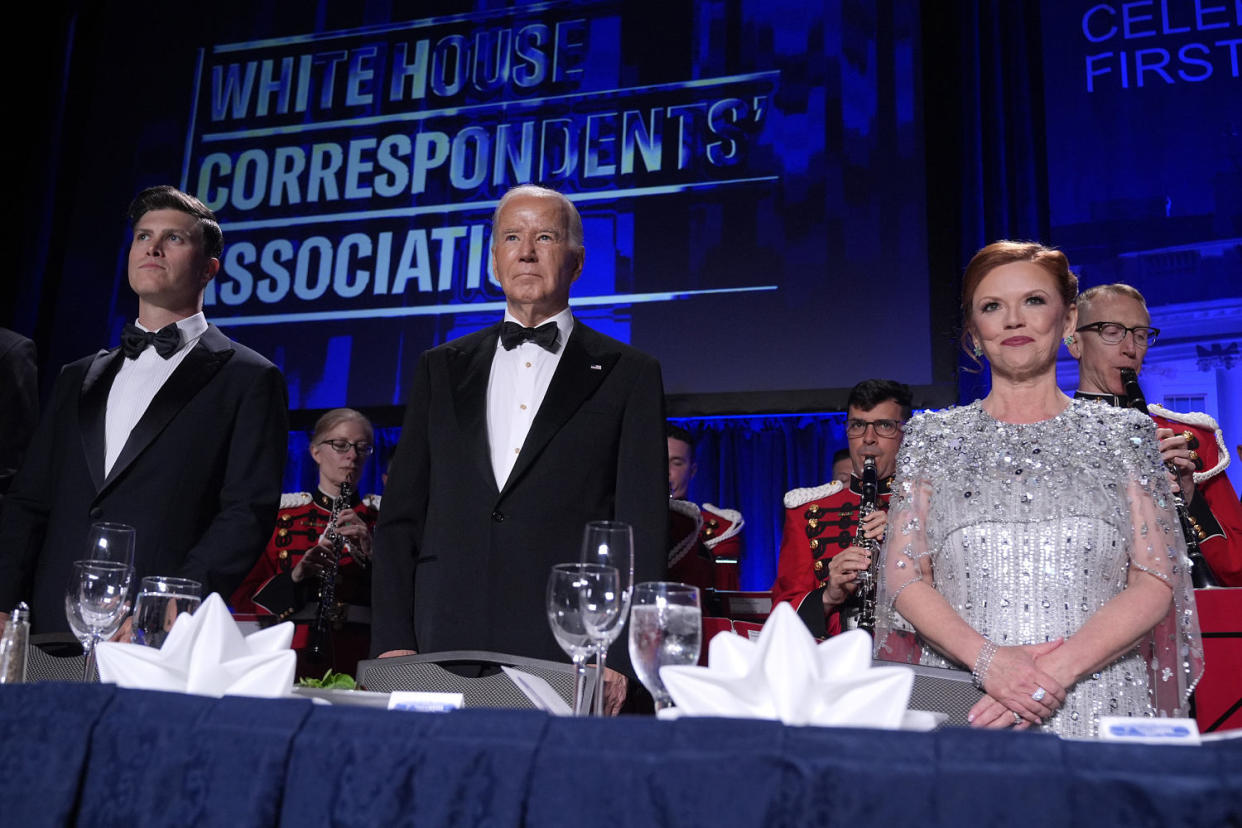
(180, 433)
(514, 438)
(19, 402)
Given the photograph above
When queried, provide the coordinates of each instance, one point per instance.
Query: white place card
(1149, 731)
(539, 692)
(421, 702)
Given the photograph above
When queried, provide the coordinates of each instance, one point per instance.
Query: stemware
(608, 543)
(571, 588)
(159, 602)
(666, 627)
(111, 542)
(96, 602)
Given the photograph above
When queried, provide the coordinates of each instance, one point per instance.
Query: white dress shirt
(515, 390)
(138, 381)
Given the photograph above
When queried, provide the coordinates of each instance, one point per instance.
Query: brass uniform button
(283, 554)
(814, 544)
(819, 566)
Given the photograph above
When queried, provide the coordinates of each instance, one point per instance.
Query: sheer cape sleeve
(1173, 650)
(905, 557)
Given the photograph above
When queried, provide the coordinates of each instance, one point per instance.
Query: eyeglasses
(883, 428)
(1114, 332)
(341, 446)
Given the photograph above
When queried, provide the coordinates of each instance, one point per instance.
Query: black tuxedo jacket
(461, 564)
(19, 403)
(199, 477)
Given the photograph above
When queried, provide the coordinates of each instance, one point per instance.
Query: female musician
(1032, 537)
(286, 578)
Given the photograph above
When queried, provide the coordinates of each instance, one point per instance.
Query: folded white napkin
(206, 654)
(785, 675)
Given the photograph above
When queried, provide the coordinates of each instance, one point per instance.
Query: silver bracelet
(982, 662)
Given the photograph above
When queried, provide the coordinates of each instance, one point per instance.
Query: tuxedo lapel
(93, 410)
(470, 369)
(584, 365)
(192, 375)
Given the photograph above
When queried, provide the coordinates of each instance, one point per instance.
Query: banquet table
(99, 755)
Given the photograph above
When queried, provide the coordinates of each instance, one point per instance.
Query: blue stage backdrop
(738, 166)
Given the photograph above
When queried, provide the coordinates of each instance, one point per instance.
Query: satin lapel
(191, 376)
(585, 364)
(469, 370)
(93, 410)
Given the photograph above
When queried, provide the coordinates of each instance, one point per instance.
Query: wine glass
(666, 627)
(570, 587)
(111, 542)
(609, 543)
(96, 602)
(158, 604)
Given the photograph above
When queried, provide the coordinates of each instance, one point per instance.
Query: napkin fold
(785, 675)
(207, 655)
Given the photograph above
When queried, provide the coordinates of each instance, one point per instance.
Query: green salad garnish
(330, 681)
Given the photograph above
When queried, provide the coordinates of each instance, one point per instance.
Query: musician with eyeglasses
(820, 556)
(284, 584)
(1114, 332)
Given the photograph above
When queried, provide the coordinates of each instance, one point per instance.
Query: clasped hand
(1012, 683)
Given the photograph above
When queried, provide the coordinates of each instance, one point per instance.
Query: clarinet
(864, 596)
(325, 616)
(1201, 574)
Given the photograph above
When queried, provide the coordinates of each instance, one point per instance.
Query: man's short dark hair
(676, 432)
(870, 393)
(165, 197)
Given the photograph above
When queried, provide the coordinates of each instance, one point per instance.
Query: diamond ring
(1017, 719)
(1039, 694)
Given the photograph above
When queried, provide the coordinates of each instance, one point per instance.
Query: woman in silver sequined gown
(1038, 523)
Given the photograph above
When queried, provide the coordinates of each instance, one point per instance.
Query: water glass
(608, 543)
(111, 542)
(96, 601)
(159, 603)
(572, 589)
(666, 627)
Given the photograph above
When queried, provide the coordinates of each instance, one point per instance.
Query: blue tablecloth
(96, 755)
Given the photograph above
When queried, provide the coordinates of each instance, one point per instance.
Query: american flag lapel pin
(596, 367)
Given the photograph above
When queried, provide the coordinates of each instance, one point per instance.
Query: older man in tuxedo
(179, 432)
(514, 438)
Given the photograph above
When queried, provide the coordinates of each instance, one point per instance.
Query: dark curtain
(987, 169)
(748, 463)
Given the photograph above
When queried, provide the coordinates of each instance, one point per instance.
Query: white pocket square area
(207, 655)
(785, 675)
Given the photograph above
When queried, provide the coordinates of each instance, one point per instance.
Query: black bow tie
(134, 340)
(512, 335)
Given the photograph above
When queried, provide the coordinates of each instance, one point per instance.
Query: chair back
(56, 657)
(940, 689)
(475, 674)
